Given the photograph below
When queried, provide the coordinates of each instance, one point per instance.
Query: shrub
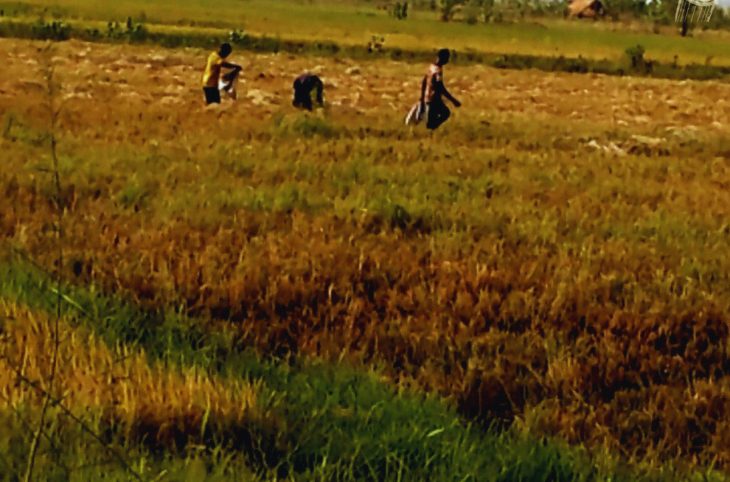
(55, 30)
(449, 8)
(237, 37)
(376, 44)
(131, 32)
(399, 10)
(638, 62)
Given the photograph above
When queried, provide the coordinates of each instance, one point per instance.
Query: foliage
(399, 10)
(376, 44)
(131, 32)
(55, 30)
(632, 7)
(637, 61)
(237, 37)
(449, 8)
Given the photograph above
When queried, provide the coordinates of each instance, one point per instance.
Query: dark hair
(225, 49)
(444, 54)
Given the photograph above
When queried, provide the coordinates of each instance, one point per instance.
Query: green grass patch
(353, 22)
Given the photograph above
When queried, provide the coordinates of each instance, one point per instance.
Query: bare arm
(229, 65)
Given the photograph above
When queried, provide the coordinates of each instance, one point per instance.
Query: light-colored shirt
(435, 75)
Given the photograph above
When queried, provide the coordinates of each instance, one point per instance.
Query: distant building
(586, 8)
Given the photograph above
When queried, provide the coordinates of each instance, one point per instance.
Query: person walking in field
(303, 86)
(433, 91)
(212, 76)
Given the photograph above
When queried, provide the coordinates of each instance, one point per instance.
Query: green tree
(636, 8)
(449, 7)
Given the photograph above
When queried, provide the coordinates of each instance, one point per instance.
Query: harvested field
(553, 259)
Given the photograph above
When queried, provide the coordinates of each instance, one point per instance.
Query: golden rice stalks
(143, 398)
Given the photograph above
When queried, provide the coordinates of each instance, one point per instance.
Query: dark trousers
(303, 100)
(438, 113)
(212, 95)
(304, 85)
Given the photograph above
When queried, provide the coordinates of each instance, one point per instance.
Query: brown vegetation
(512, 265)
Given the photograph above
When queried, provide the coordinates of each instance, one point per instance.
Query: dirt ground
(117, 78)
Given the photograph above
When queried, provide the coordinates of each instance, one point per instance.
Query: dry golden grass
(161, 403)
(111, 92)
(504, 262)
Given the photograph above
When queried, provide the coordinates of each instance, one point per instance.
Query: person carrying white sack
(431, 104)
(228, 84)
(212, 77)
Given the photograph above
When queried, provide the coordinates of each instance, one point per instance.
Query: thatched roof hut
(586, 8)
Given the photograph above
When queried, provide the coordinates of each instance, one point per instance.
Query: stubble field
(554, 259)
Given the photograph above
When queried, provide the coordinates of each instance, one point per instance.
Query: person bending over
(303, 87)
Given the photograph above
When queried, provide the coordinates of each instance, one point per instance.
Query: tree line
(660, 12)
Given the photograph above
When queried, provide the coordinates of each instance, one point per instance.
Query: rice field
(551, 265)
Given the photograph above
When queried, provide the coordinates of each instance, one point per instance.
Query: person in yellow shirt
(212, 75)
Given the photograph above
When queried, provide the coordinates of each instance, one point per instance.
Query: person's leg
(302, 102)
(212, 95)
(320, 92)
(302, 97)
(433, 121)
(307, 100)
(431, 116)
(438, 113)
(445, 113)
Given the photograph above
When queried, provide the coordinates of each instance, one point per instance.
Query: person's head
(225, 50)
(443, 57)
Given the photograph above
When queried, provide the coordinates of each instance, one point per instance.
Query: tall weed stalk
(53, 112)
